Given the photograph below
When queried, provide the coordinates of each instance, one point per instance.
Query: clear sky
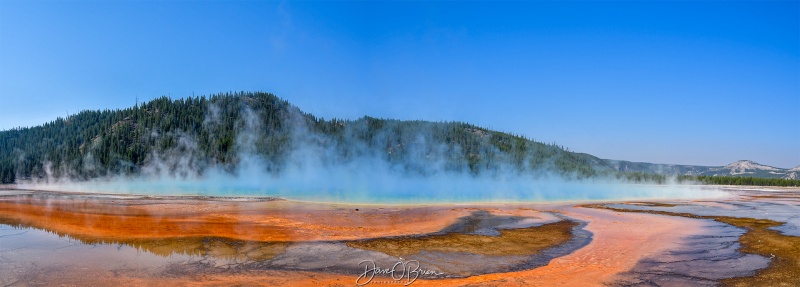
(670, 82)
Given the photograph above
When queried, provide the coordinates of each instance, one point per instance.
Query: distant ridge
(745, 168)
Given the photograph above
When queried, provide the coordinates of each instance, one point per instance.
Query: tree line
(215, 131)
(739, 180)
(212, 132)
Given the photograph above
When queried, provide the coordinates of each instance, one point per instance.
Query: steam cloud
(316, 171)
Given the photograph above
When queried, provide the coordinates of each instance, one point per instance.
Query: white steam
(316, 171)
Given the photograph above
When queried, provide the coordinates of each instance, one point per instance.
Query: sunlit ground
(749, 237)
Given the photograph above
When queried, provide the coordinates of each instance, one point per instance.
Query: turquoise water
(396, 191)
(318, 174)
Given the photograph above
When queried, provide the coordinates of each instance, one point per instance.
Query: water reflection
(773, 205)
(242, 235)
(762, 223)
(93, 217)
(56, 234)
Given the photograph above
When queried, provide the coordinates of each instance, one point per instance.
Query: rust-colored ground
(619, 241)
(784, 270)
(274, 221)
(520, 241)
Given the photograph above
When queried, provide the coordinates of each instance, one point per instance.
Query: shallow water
(411, 191)
(27, 251)
(36, 250)
(700, 260)
(784, 210)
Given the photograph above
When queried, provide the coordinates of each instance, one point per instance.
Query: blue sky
(670, 82)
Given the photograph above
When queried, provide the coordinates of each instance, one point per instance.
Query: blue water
(397, 190)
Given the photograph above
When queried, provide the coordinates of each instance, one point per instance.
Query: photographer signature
(409, 270)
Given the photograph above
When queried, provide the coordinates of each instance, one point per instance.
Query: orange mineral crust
(619, 240)
(274, 221)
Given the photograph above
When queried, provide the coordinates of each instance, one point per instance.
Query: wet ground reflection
(63, 235)
(117, 227)
(774, 207)
(701, 260)
(749, 239)
(27, 253)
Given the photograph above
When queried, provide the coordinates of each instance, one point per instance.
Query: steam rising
(315, 170)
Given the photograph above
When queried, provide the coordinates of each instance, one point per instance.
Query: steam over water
(321, 168)
(383, 189)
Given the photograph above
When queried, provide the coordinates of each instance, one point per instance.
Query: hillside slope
(185, 137)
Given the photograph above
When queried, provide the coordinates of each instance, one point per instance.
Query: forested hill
(185, 137)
